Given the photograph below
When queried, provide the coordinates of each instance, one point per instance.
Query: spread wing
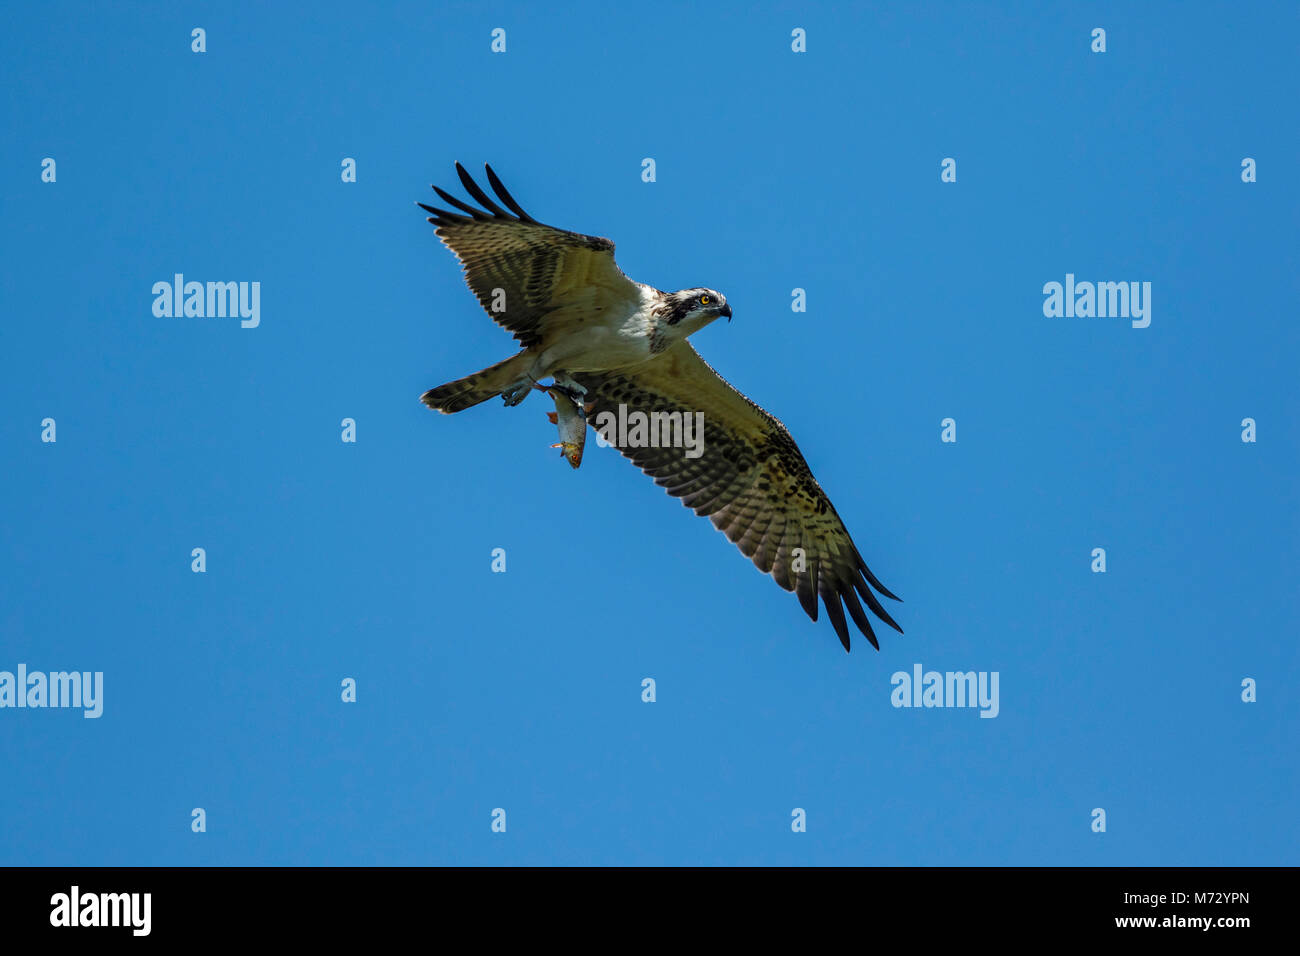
(525, 274)
(751, 481)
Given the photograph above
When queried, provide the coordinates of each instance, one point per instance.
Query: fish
(571, 418)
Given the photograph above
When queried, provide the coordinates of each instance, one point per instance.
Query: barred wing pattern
(546, 274)
(751, 481)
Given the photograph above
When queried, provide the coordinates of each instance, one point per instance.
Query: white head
(688, 311)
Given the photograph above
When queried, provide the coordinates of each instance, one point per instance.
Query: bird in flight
(616, 346)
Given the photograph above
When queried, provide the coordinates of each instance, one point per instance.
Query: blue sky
(522, 690)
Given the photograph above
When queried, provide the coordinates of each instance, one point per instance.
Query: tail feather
(472, 389)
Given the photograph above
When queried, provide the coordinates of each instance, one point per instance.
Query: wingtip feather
(476, 191)
(859, 616)
(499, 188)
(835, 611)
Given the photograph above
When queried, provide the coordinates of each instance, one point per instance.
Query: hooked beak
(726, 310)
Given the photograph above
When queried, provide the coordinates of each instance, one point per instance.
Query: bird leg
(518, 390)
(575, 391)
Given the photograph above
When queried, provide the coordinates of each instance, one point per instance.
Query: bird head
(690, 310)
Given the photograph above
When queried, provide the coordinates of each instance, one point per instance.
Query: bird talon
(517, 392)
(574, 390)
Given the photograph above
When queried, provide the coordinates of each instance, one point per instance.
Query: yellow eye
(704, 300)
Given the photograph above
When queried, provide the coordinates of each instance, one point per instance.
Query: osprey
(608, 341)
